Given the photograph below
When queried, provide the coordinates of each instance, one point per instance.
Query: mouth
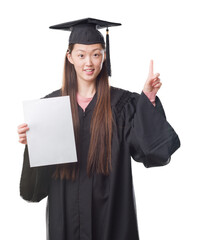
(89, 71)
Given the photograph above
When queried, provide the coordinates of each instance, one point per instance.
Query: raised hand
(152, 84)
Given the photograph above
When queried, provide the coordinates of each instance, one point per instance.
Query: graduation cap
(85, 31)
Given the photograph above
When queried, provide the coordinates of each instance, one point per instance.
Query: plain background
(31, 66)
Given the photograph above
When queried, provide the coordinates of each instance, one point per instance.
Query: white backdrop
(31, 66)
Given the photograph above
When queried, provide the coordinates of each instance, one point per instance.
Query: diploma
(50, 137)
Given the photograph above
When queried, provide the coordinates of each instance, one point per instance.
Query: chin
(90, 78)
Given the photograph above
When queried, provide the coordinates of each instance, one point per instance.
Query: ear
(69, 57)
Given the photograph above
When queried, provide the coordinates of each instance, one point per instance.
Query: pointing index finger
(151, 68)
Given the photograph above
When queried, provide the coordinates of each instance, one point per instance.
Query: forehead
(87, 48)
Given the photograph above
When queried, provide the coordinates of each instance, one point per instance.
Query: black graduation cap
(85, 31)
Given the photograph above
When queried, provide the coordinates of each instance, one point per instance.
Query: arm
(152, 140)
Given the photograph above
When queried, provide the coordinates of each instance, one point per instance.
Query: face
(87, 61)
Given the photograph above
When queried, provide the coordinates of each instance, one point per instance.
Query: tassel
(108, 62)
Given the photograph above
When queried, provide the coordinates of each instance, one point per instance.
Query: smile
(89, 70)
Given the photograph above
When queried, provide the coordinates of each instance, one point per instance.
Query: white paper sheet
(50, 137)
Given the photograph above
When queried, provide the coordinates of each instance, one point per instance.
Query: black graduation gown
(101, 207)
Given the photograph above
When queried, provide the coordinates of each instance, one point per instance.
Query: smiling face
(87, 61)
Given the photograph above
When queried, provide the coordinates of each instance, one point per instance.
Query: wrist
(150, 95)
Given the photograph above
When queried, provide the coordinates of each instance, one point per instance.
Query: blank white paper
(50, 137)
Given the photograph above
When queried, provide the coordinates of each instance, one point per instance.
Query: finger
(22, 125)
(158, 85)
(23, 142)
(156, 82)
(22, 135)
(156, 76)
(23, 130)
(151, 68)
(23, 138)
(156, 79)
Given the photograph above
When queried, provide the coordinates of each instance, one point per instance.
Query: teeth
(88, 70)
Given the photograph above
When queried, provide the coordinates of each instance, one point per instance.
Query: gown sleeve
(151, 139)
(34, 183)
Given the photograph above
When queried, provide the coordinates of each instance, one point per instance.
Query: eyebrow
(92, 50)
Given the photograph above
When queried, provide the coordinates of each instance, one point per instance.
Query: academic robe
(103, 207)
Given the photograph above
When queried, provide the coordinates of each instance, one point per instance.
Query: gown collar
(91, 104)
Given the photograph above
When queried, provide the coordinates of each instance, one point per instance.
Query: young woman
(93, 199)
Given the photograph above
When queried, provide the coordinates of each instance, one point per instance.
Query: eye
(81, 55)
(96, 54)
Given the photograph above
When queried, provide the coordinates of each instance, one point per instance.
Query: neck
(86, 89)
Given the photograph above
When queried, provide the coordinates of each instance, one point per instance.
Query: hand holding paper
(22, 133)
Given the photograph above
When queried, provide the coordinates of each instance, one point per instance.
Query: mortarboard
(85, 31)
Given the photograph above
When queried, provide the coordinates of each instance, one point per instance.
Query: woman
(93, 198)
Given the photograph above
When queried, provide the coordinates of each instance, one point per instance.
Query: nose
(89, 61)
